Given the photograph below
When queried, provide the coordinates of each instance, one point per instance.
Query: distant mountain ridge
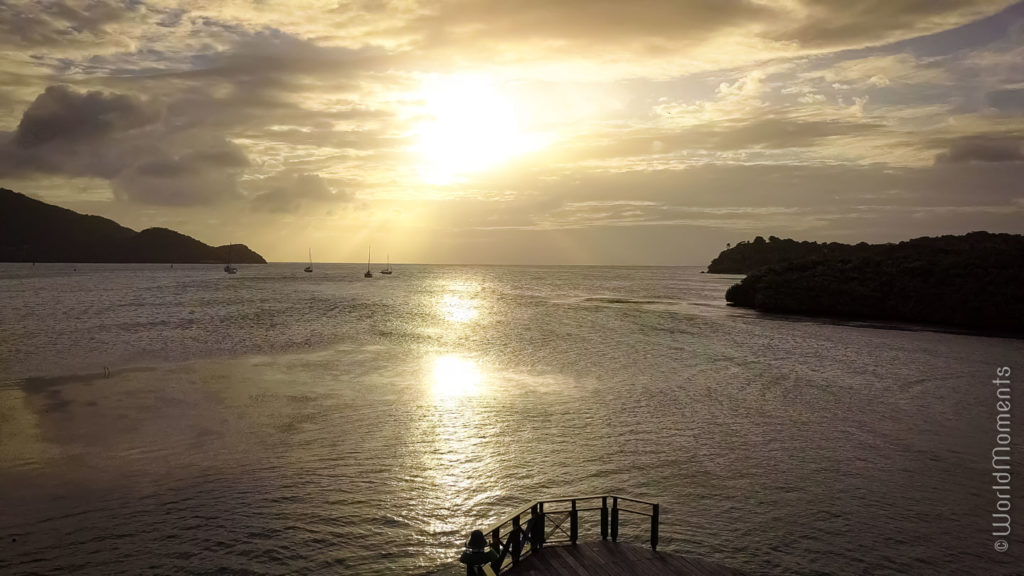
(34, 231)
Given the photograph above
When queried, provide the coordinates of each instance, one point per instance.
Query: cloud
(843, 24)
(565, 21)
(185, 186)
(609, 38)
(55, 22)
(660, 113)
(816, 202)
(201, 174)
(595, 38)
(984, 149)
(795, 185)
(290, 191)
(61, 114)
(880, 71)
(126, 140)
(739, 118)
(1009, 100)
(788, 133)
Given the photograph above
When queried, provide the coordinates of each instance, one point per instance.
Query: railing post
(496, 546)
(654, 527)
(615, 518)
(604, 517)
(534, 514)
(517, 546)
(574, 523)
(540, 525)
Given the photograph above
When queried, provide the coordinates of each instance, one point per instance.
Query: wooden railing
(544, 522)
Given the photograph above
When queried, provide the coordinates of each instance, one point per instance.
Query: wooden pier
(543, 540)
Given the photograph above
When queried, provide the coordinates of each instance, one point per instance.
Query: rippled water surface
(276, 422)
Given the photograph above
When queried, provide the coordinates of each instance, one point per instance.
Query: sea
(180, 420)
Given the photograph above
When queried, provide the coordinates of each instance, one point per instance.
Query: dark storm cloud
(983, 149)
(271, 66)
(272, 52)
(124, 139)
(270, 78)
(227, 157)
(179, 153)
(289, 191)
(62, 160)
(55, 22)
(205, 173)
(187, 187)
(60, 113)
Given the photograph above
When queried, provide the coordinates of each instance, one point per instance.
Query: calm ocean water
(276, 422)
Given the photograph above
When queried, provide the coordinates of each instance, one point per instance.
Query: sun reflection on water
(456, 376)
(456, 459)
(456, 456)
(458, 308)
(457, 303)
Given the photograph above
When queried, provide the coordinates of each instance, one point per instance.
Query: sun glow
(455, 376)
(471, 126)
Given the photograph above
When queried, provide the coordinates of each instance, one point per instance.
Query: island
(34, 231)
(745, 257)
(972, 281)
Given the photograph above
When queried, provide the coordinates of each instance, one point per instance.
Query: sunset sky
(524, 131)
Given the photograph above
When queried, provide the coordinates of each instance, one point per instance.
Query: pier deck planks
(604, 558)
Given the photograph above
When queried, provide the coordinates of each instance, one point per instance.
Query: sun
(470, 126)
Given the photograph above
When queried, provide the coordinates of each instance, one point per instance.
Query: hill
(746, 257)
(34, 231)
(971, 281)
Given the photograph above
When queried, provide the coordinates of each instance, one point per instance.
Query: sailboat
(388, 269)
(368, 273)
(227, 266)
(310, 267)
